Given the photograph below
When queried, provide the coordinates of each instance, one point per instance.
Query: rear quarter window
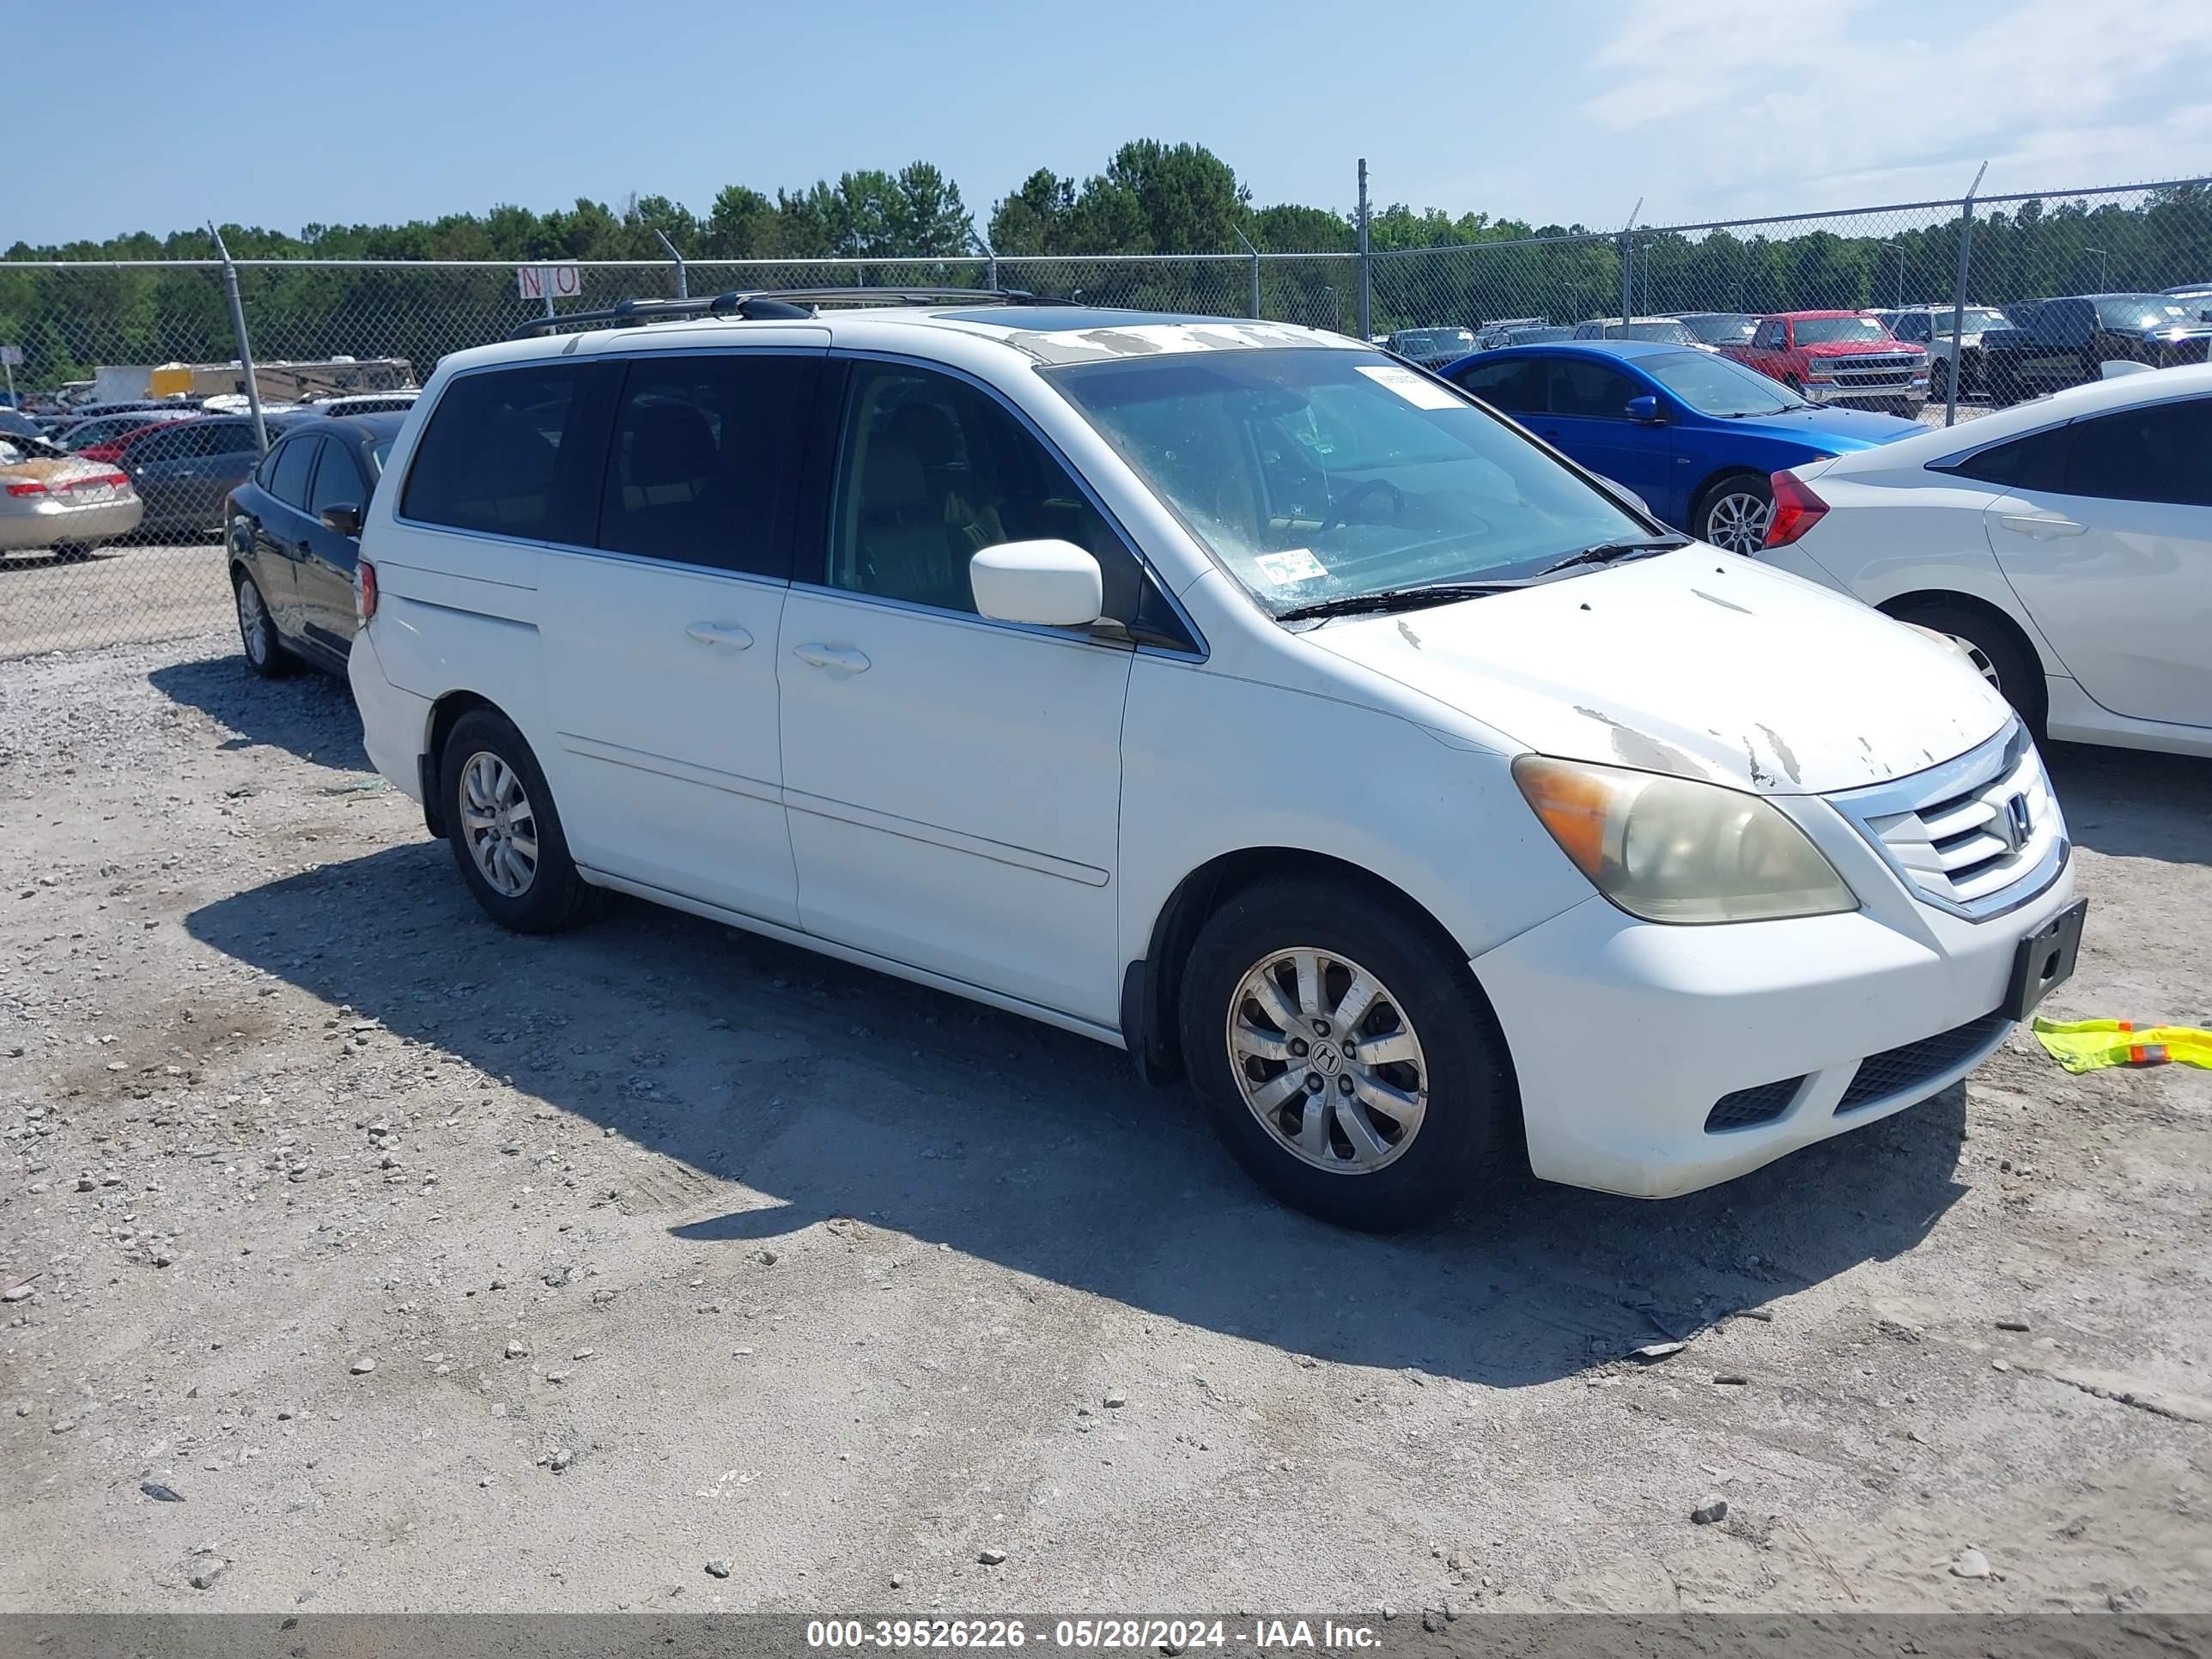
(516, 452)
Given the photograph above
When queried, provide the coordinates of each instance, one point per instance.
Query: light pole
(1897, 248)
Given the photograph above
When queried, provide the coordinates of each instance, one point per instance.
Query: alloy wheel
(1738, 521)
(499, 824)
(252, 623)
(1980, 659)
(1327, 1060)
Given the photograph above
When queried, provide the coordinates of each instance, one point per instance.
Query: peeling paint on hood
(1783, 687)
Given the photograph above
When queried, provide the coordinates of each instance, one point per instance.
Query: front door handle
(841, 659)
(726, 638)
(2043, 528)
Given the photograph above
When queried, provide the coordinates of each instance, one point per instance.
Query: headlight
(1669, 849)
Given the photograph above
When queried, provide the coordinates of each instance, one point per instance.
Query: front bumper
(1626, 1035)
(50, 522)
(1840, 392)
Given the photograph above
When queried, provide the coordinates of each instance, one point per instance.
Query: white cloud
(1740, 106)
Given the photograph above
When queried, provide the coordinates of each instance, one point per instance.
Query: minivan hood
(1697, 663)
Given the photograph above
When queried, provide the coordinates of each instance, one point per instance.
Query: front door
(953, 783)
(660, 641)
(327, 558)
(2107, 538)
(1587, 417)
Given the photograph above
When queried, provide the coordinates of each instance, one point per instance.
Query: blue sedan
(1696, 435)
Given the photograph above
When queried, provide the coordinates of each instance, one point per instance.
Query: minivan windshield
(1314, 475)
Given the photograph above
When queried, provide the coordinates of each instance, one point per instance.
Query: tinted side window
(2159, 453)
(337, 480)
(1516, 386)
(701, 458)
(2034, 461)
(1581, 387)
(1913, 328)
(1769, 337)
(931, 472)
(284, 474)
(516, 452)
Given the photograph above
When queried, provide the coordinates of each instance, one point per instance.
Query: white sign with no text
(11, 355)
(547, 281)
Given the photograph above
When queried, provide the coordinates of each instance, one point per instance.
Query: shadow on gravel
(832, 1090)
(2131, 803)
(312, 714)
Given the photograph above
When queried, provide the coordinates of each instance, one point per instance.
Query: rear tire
(504, 831)
(72, 552)
(1425, 1045)
(2005, 661)
(265, 651)
(1734, 513)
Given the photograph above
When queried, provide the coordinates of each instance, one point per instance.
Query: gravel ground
(437, 1269)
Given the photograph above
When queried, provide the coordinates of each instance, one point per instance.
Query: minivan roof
(1055, 334)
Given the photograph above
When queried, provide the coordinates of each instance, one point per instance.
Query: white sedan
(2065, 544)
(51, 499)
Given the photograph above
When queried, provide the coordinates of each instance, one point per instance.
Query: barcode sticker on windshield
(1297, 564)
(1417, 390)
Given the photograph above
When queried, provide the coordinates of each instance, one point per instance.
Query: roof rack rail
(760, 304)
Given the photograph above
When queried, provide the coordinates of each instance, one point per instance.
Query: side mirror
(344, 519)
(1053, 583)
(1645, 410)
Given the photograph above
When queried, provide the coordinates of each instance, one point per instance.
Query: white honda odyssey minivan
(1226, 691)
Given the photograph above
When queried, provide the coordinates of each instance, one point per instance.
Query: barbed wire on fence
(68, 320)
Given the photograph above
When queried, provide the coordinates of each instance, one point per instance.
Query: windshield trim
(1054, 375)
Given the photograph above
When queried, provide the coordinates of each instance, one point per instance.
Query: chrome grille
(1975, 835)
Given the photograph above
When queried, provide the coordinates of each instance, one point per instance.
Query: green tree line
(1058, 235)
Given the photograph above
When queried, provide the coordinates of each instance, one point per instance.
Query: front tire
(1996, 651)
(266, 653)
(1347, 1057)
(1734, 513)
(505, 830)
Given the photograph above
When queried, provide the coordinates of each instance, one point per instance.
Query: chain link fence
(93, 332)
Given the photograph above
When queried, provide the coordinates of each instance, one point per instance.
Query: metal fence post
(682, 282)
(244, 351)
(1366, 318)
(1628, 264)
(990, 269)
(1958, 302)
(1252, 309)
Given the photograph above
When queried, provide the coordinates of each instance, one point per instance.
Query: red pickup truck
(1838, 357)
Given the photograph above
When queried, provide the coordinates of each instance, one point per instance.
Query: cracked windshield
(1321, 475)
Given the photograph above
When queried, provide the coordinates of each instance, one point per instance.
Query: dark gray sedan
(185, 471)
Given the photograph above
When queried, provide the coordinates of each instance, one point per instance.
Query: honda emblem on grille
(2019, 823)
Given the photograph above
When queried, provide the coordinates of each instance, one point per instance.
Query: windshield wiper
(1395, 598)
(1606, 552)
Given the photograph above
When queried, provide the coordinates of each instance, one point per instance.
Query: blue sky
(281, 114)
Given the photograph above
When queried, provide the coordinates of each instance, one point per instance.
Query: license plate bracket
(2045, 960)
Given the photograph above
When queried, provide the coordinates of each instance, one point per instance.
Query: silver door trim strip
(638, 760)
(998, 852)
